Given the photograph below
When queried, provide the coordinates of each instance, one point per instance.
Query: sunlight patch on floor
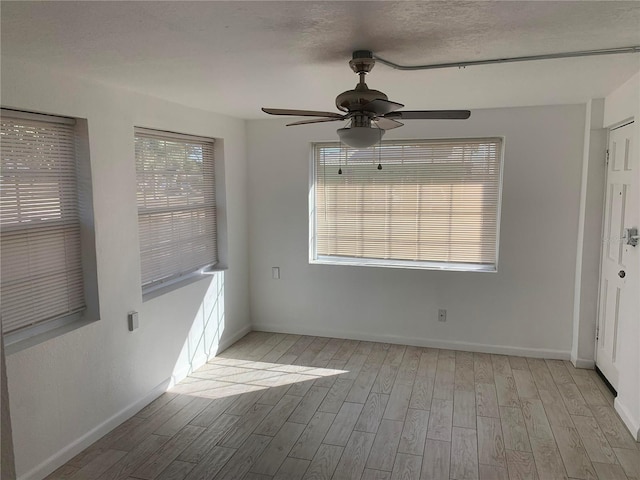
(222, 377)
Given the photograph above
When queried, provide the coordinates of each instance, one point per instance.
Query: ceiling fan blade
(315, 120)
(431, 114)
(381, 107)
(301, 113)
(387, 123)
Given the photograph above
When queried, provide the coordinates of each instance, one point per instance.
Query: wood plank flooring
(290, 407)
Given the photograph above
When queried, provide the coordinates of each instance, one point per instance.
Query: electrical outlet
(442, 315)
(132, 317)
(275, 273)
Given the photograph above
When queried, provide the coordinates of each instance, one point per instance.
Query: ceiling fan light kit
(369, 112)
(360, 137)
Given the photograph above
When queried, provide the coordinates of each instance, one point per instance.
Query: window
(435, 204)
(41, 263)
(176, 206)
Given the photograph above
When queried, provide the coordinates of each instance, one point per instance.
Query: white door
(619, 259)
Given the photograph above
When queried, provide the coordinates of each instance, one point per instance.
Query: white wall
(621, 105)
(68, 391)
(526, 308)
(585, 303)
(7, 462)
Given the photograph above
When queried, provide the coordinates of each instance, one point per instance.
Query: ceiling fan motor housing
(353, 100)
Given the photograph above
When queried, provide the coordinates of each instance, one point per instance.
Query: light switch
(275, 273)
(133, 321)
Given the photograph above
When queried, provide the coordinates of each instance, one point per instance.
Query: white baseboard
(71, 450)
(222, 346)
(633, 424)
(182, 373)
(67, 453)
(583, 362)
(417, 342)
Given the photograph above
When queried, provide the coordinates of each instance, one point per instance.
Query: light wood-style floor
(277, 406)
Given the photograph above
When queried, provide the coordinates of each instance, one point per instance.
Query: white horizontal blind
(176, 205)
(433, 202)
(40, 229)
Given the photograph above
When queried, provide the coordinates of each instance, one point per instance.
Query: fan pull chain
(324, 182)
(379, 151)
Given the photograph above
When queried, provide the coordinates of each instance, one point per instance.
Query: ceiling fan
(369, 112)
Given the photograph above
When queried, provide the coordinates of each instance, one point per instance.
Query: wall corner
(585, 305)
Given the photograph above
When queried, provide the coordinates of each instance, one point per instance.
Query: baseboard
(633, 424)
(583, 362)
(196, 363)
(184, 371)
(418, 342)
(67, 453)
(222, 346)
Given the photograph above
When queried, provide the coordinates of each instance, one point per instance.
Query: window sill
(21, 340)
(174, 284)
(406, 264)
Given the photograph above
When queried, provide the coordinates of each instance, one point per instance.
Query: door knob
(622, 274)
(631, 236)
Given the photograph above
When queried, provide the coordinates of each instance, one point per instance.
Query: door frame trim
(623, 124)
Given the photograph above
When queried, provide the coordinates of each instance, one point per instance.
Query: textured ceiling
(234, 57)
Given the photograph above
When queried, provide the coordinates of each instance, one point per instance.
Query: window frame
(30, 335)
(315, 259)
(157, 288)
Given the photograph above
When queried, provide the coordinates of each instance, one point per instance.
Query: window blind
(434, 203)
(176, 205)
(41, 263)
